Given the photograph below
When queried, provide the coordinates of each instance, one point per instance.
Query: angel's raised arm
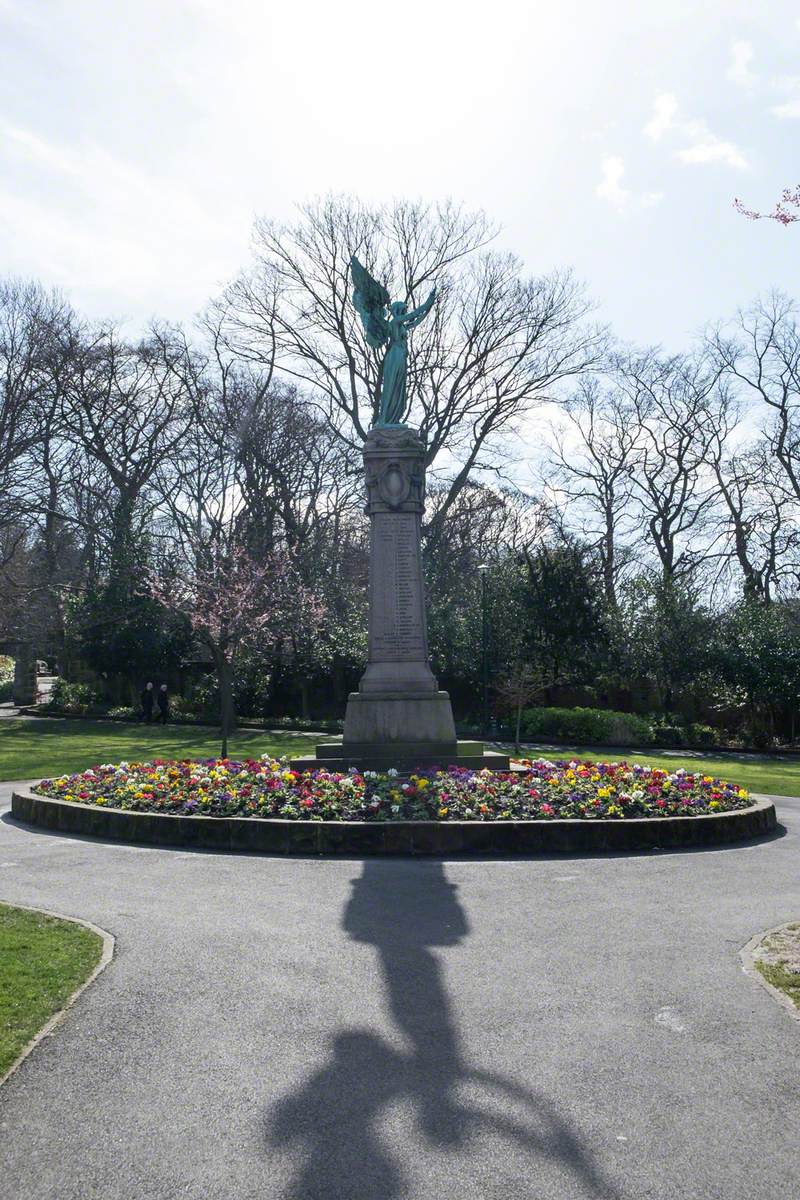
(418, 314)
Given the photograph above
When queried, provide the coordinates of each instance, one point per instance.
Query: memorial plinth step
(402, 756)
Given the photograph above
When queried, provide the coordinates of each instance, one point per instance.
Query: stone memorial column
(398, 704)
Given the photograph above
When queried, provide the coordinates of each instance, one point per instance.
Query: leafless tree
(496, 345)
(670, 401)
(595, 457)
(126, 409)
(762, 354)
(29, 319)
(755, 520)
(523, 684)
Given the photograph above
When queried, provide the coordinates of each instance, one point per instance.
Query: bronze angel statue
(371, 299)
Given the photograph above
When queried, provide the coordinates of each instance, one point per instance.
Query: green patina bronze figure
(381, 326)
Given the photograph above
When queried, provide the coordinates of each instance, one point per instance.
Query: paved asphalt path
(316, 1030)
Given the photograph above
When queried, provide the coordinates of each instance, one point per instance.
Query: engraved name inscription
(397, 630)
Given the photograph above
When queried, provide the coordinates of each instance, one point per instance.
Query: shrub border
(279, 836)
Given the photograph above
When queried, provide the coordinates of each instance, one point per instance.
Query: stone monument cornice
(394, 468)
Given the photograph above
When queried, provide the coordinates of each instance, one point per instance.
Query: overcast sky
(138, 139)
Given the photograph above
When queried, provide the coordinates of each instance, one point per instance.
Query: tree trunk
(305, 700)
(227, 713)
(519, 722)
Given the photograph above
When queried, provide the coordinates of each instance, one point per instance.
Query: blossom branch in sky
(790, 198)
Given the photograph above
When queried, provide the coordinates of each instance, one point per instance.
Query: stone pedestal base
(401, 716)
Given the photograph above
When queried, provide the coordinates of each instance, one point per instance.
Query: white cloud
(788, 111)
(790, 108)
(90, 219)
(663, 118)
(739, 69)
(610, 188)
(704, 146)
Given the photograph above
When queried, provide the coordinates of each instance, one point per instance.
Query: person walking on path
(147, 703)
(163, 704)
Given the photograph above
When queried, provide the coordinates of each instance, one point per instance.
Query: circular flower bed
(541, 790)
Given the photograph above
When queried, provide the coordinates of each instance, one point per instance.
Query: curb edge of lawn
(283, 836)
(109, 942)
(748, 960)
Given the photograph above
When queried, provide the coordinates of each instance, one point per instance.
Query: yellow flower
(743, 793)
(443, 812)
(422, 783)
(714, 804)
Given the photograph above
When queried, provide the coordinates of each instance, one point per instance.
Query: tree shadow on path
(333, 1121)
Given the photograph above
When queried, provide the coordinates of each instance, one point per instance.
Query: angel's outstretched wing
(370, 299)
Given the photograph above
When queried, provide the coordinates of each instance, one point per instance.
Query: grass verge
(42, 961)
(31, 749)
(765, 773)
(785, 981)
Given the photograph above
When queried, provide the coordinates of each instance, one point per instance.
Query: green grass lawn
(32, 749)
(42, 962)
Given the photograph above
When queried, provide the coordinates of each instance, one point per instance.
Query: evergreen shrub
(586, 726)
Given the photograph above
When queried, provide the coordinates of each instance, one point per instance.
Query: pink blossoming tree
(782, 213)
(230, 602)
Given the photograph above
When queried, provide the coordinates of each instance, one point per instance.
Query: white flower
(395, 808)
(392, 772)
(405, 786)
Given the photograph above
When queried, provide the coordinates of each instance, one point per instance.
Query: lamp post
(484, 569)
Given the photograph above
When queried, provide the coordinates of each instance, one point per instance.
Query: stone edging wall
(396, 837)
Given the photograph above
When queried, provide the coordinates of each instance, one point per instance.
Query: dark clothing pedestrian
(148, 698)
(163, 704)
